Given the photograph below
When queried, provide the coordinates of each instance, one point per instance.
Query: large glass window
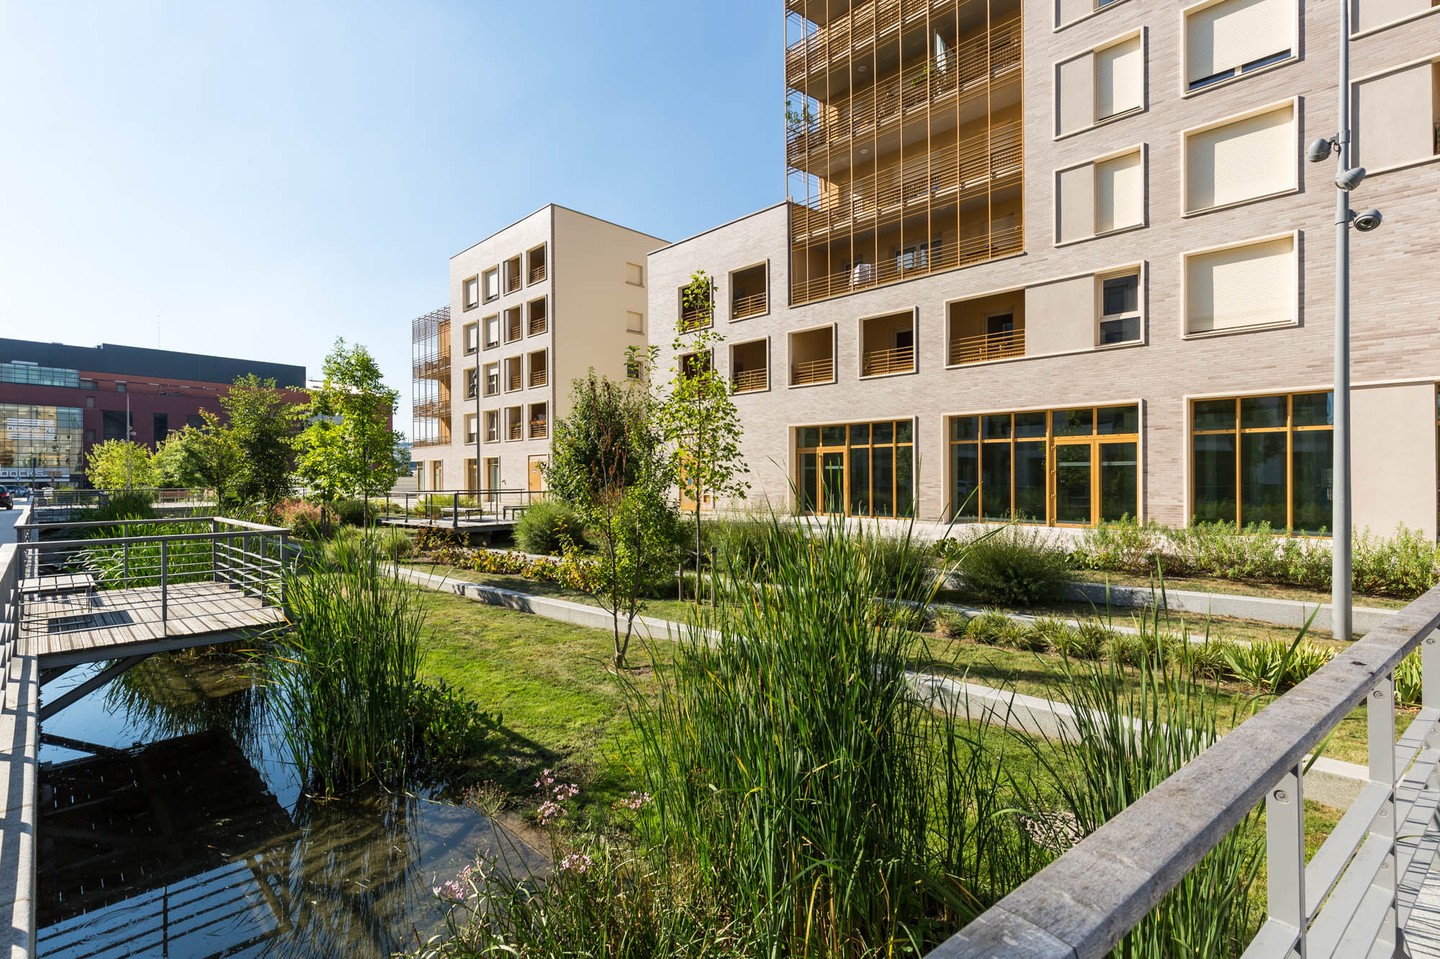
(856, 469)
(32, 374)
(1069, 467)
(40, 442)
(1263, 459)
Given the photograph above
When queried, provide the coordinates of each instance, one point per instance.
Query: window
(472, 382)
(1241, 159)
(539, 421)
(492, 379)
(472, 337)
(1398, 116)
(697, 309)
(749, 293)
(856, 469)
(1119, 78)
(1100, 197)
(535, 264)
(491, 284)
(634, 274)
(470, 436)
(1263, 459)
(812, 356)
(471, 288)
(1119, 308)
(1240, 287)
(1227, 38)
(492, 331)
(514, 375)
(514, 423)
(634, 322)
(538, 320)
(750, 366)
(512, 274)
(32, 374)
(1100, 84)
(492, 426)
(514, 328)
(1068, 467)
(160, 425)
(887, 344)
(539, 368)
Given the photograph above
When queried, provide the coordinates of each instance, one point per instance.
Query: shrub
(355, 512)
(303, 519)
(884, 613)
(545, 527)
(989, 628)
(1015, 567)
(950, 624)
(1085, 641)
(1407, 680)
(739, 542)
(1047, 633)
(1204, 660)
(1274, 665)
(429, 538)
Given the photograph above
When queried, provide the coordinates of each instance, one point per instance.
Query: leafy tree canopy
(348, 448)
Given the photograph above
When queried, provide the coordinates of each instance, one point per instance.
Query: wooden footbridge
(73, 593)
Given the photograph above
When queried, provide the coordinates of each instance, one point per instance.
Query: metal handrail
(987, 346)
(813, 371)
(1083, 903)
(454, 506)
(899, 359)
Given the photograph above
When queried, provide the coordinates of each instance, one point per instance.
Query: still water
(172, 824)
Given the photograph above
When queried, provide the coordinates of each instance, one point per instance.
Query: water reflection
(197, 841)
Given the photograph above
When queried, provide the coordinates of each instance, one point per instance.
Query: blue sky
(256, 179)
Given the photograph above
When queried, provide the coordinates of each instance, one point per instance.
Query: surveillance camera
(1318, 150)
(1350, 179)
(1367, 221)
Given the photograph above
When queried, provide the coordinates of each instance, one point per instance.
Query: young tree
(349, 449)
(200, 456)
(119, 464)
(608, 461)
(699, 420)
(261, 429)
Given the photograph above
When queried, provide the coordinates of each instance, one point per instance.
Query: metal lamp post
(1347, 178)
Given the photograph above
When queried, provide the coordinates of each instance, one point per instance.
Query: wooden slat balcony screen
(437, 408)
(433, 367)
(748, 381)
(983, 160)
(539, 377)
(539, 429)
(537, 273)
(517, 430)
(813, 371)
(831, 45)
(900, 359)
(966, 69)
(892, 270)
(987, 346)
(512, 281)
(693, 319)
(514, 380)
(513, 329)
(538, 324)
(752, 305)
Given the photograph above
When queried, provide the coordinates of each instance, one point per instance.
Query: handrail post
(454, 510)
(125, 575)
(214, 550)
(164, 589)
(1380, 722)
(1285, 855)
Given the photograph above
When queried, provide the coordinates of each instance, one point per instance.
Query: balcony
(899, 359)
(863, 276)
(753, 305)
(807, 372)
(515, 426)
(1002, 345)
(539, 373)
(539, 318)
(986, 160)
(514, 329)
(514, 379)
(965, 72)
(830, 46)
(535, 261)
(751, 381)
(512, 274)
(539, 427)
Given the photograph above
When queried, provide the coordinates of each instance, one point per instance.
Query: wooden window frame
(895, 445)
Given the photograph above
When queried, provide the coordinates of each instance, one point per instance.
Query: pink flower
(576, 862)
(451, 890)
(549, 812)
(635, 802)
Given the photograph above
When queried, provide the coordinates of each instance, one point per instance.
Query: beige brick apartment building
(531, 308)
(1063, 261)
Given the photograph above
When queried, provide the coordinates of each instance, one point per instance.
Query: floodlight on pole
(1320, 150)
(1350, 179)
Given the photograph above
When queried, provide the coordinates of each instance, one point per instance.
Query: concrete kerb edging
(1328, 781)
(19, 749)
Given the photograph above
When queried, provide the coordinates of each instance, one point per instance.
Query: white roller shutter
(1119, 78)
(1226, 35)
(1119, 193)
(1249, 158)
(1252, 285)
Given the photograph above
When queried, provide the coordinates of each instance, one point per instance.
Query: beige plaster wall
(1393, 453)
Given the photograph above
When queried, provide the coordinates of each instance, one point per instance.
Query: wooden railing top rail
(971, 250)
(537, 273)
(1083, 903)
(749, 305)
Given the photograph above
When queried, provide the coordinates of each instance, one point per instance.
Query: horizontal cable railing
(1356, 893)
(748, 381)
(900, 359)
(983, 160)
(987, 346)
(752, 305)
(813, 371)
(967, 70)
(1002, 242)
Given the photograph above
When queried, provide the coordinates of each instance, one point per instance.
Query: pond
(173, 824)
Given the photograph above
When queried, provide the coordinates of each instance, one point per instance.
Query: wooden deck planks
(125, 617)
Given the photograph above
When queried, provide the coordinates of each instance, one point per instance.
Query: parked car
(7, 498)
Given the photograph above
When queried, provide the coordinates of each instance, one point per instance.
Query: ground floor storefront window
(40, 443)
(856, 469)
(1263, 459)
(1066, 467)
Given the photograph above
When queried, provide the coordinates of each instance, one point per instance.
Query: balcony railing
(984, 160)
(516, 431)
(693, 318)
(537, 273)
(539, 324)
(512, 281)
(965, 70)
(752, 305)
(438, 408)
(749, 381)
(831, 45)
(514, 381)
(433, 367)
(513, 330)
(987, 346)
(539, 377)
(900, 359)
(863, 276)
(539, 429)
(1354, 896)
(813, 371)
